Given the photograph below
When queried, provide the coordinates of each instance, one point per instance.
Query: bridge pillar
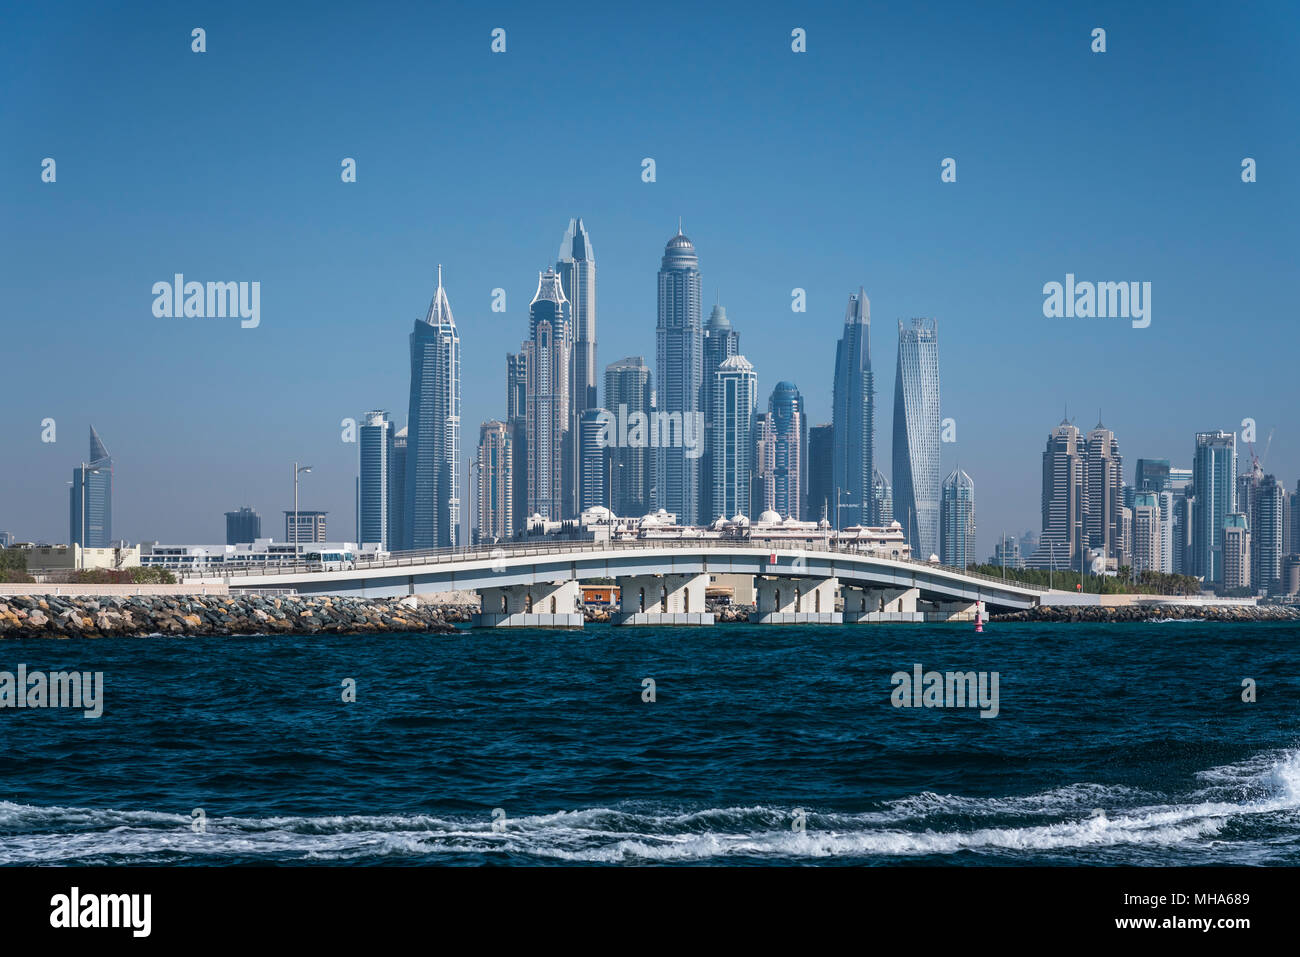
(880, 604)
(541, 605)
(662, 600)
(793, 601)
(948, 610)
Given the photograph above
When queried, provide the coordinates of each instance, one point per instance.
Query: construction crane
(1257, 461)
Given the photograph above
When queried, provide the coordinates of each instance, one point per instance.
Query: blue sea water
(1115, 744)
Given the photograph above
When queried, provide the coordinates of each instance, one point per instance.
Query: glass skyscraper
(735, 399)
(397, 492)
(432, 505)
(821, 471)
(1214, 484)
(854, 418)
(916, 436)
(679, 376)
(629, 394)
(375, 480)
(576, 267)
(957, 547)
(720, 343)
(244, 525)
(547, 352)
(790, 436)
(93, 485)
(495, 488)
(592, 461)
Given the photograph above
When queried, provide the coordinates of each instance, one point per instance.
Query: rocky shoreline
(102, 616)
(1120, 613)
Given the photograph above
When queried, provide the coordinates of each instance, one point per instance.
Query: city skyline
(338, 301)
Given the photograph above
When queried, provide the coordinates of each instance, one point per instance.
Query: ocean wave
(1078, 819)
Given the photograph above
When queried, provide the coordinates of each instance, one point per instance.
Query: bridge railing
(437, 556)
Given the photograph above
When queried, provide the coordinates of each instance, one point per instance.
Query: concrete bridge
(662, 582)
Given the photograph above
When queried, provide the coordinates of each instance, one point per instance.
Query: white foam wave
(928, 824)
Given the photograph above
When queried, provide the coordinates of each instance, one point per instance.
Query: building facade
(306, 525)
(1235, 552)
(1063, 501)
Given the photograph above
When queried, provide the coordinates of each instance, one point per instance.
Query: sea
(1160, 743)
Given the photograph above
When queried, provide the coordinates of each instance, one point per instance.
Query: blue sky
(817, 170)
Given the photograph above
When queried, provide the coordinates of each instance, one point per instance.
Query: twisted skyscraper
(916, 436)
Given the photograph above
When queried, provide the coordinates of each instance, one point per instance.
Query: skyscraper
(244, 525)
(679, 376)
(375, 485)
(550, 340)
(593, 463)
(576, 267)
(720, 343)
(821, 473)
(1235, 552)
(517, 420)
(854, 417)
(735, 399)
(916, 436)
(762, 481)
(629, 394)
(1213, 479)
(92, 486)
(1266, 536)
(790, 431)
(1148, 535)
(432, 506)
(1063, 499)
(882, 500)
(397, 492)
(495, 485)
(957, 545)
(1104, 497)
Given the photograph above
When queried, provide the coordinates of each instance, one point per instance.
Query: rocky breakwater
(199, 615)
(1118, 613)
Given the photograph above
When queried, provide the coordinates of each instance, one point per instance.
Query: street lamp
(81, 552)
(297, 532)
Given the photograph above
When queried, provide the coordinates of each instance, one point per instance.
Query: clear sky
(818, 170)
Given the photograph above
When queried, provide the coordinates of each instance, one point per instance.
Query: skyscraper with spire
(547, 354)
(916, 436)
(1104, 497)
(679, 376)
(431, 509)
(576, 267)
(854, 419)
(92, 485)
